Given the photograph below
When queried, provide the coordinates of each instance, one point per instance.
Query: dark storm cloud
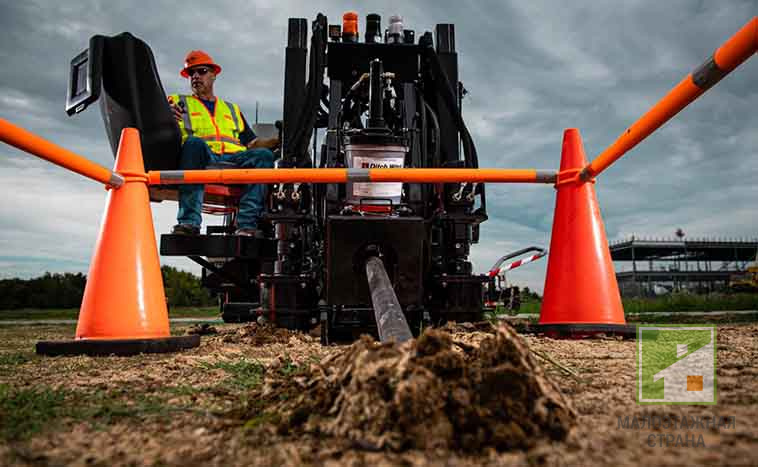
(532, 69)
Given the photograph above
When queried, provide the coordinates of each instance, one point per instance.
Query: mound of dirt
(428, 393)
(258, 334)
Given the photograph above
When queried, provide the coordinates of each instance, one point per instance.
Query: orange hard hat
(198, 57)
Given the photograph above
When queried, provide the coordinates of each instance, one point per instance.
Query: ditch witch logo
(676, 364)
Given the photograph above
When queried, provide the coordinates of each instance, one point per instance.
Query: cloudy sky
(532, 68)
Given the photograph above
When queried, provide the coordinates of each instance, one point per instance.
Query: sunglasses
(201, 71)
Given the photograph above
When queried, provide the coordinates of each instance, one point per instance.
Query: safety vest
(220, 130)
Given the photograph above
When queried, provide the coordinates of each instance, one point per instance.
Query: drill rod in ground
(389, 316)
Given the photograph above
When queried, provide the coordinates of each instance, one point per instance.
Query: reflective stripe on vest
(220, 130)
(232, 108)
(224, 139)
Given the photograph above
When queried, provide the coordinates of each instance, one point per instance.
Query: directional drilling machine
(391, 100)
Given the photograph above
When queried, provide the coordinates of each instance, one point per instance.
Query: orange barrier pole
(238, 176)
(33, 144)
(729, 56)
(462, 175)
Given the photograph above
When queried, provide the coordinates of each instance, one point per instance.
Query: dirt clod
(429, 393)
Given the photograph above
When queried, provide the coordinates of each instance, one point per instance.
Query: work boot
(248, 232)
(185, 229)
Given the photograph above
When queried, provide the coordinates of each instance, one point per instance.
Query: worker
(215, 131)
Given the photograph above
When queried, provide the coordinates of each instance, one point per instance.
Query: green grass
(690, 302)
(288, 367)
(33, 313)
(10, 360)
(243, 374)
(73, 313)
(182, 390)
(531, 306)
(26, 411)
(680, 318)
(669, 303)
(105, 408)
(13, 359)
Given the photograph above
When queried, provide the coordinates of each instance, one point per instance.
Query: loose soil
(256, 395)
(430, 393)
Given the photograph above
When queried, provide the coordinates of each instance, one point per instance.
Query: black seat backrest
(132, 96)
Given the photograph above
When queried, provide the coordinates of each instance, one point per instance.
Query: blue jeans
(197, 155)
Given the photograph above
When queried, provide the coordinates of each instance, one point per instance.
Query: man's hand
(269, 143)
(178, 110)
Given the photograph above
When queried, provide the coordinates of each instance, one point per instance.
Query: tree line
(55, 290)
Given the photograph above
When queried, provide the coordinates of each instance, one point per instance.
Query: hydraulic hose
(304, 129)
(437, 134)
(447, 92)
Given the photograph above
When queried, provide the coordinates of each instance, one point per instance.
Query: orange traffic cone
(581, 295)
(124, 310)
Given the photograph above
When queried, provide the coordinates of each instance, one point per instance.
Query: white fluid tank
(374, 152)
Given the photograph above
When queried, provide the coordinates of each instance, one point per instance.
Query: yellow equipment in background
(748, 280)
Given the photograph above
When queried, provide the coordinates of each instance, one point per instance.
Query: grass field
(690, 302)
(73, 313)
(673, 303)
(669, 303)
(201, 406)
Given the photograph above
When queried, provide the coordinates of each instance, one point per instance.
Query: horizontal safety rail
(35, 145)
(729, 56)
(40, 147)
(237, 176)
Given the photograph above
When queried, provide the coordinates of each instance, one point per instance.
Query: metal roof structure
(699, 265)
(724, 250)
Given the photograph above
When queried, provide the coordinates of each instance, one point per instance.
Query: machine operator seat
(121, 69)
(133, 96)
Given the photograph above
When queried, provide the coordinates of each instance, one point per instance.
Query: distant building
(646, 267)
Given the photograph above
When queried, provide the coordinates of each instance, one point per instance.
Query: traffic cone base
(123, 309)
(581, 295)
(118, 347)
(581, 331)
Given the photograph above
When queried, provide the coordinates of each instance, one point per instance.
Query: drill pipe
(390, 320)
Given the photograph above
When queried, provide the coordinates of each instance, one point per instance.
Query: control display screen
(79, 78)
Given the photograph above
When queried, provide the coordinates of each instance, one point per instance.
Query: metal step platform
(217, 246)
